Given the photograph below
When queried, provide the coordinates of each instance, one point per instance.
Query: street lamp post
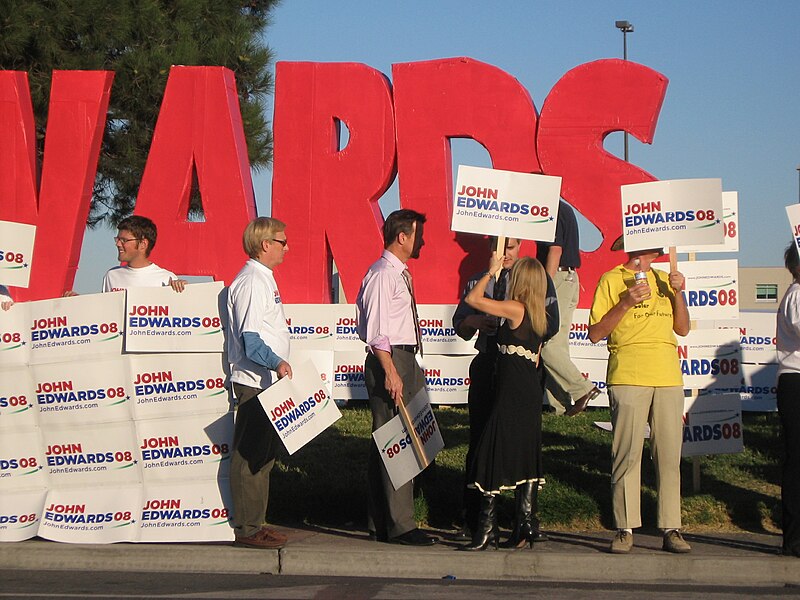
(626, 27)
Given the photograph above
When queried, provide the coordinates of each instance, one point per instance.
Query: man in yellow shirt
(640, 310)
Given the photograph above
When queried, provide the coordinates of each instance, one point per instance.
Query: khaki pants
(555, 353)
(255, 446)
(633, 406)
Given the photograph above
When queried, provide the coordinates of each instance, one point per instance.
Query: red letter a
(199, 127)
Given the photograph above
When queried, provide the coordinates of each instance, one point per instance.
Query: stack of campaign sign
(115, 422)
(326, 335)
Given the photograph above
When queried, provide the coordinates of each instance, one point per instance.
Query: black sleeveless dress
(510, 449)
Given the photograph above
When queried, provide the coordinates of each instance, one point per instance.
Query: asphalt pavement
(716, 559)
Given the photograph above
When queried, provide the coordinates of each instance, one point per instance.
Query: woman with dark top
(788, 330)
(509, 453)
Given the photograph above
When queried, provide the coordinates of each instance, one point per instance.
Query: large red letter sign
(76, 121)
(199, 127)
(329, 197)
(455, 98)
(588, 103)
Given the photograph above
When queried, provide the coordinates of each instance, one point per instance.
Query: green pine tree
(139, 40)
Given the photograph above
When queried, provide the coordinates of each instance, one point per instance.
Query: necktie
(417, 331)
(499, 292)
(500, 286)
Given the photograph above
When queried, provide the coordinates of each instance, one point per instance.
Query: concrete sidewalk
(725, 559)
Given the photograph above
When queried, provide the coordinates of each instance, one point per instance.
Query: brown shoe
(582, 402)
(265, 538)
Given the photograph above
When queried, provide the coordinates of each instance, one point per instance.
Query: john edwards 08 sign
(71, 329)
(66, 394)
(299, 408)
(22, 465)
(20, 514)
(506, 203)
(16, 250)
(91, 515)
(197, 511)
(187, 449)
(173, 385)
(712, 289)
(710, 358)
(15, 336)
(103, 454)
(395, 445)
(162, 320)
(438, 334)
(680, 212)
(712, 424)
(17, 400)
(310, 326)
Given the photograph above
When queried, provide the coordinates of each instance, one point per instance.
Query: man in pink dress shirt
(385, 312)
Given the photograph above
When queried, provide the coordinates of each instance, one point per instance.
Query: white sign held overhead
(299, 408)
(505, 203)
(659, 214)
(16, 253)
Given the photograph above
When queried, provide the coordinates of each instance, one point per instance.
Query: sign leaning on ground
(505, 203)
(677, 212)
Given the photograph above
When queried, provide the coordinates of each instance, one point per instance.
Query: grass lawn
(325, 482)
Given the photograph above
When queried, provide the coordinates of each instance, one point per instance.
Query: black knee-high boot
(526, 524)
(487, 532)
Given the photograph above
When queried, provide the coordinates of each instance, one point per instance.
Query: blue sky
(732, 108)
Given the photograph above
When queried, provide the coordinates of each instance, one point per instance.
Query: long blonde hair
(529, 286)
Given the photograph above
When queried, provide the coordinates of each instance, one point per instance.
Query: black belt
(407, 347)
(566, 268)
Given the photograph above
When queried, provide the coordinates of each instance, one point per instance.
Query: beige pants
(555, 353)
(632, 407)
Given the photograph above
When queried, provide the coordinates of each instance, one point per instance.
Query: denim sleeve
(257, 351)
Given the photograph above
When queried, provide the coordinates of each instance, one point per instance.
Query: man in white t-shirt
(257, 345)
(135, 240)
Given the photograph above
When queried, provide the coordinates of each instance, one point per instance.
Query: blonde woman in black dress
(509, 453)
